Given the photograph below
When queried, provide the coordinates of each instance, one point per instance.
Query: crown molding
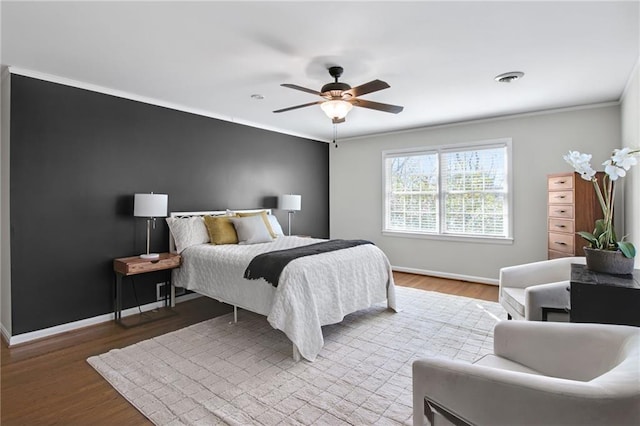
(487, 120)
(148, 100)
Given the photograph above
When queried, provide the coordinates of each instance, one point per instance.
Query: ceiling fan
(339, 97)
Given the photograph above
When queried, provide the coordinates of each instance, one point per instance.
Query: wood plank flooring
(49, 382)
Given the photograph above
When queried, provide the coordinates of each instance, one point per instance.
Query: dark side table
(604, 298)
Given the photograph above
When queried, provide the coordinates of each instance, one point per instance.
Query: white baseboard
(5, 333)
(481, 280)
(63, 328)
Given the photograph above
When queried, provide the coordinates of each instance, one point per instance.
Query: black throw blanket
(270, 265)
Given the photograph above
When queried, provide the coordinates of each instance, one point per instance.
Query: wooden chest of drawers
(572, 206)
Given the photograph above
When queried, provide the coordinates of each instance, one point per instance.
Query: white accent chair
(541, 373)
(526, 289)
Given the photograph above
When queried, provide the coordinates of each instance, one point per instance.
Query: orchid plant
(604, 236)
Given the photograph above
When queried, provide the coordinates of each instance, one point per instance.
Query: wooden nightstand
(128, 266)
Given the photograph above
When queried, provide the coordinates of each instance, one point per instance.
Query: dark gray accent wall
(77, 158)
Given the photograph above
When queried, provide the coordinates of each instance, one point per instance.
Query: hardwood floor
(443, 285)
(49, 381)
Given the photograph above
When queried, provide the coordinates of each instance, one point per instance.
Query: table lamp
(150, 206)
(292, 203)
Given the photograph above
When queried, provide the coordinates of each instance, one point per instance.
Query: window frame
(438, 150)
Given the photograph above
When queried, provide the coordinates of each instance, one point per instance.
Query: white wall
(630, 112)
(5, 259)
(539, 142)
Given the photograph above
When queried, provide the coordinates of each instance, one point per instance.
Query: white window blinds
(460, 191)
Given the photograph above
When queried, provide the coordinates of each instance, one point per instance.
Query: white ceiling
(440, 58)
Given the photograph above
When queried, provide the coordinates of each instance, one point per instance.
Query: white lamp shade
(336, 109)
(290, 202)
(150, 205)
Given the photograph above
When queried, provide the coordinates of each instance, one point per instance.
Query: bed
(312, 291)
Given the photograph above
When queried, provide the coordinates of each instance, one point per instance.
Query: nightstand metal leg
(118, 298)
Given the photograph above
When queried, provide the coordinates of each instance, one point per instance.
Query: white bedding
(313, 291)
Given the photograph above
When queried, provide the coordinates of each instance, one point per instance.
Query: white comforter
(313, 291)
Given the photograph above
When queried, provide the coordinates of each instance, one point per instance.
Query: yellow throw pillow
(263, 213)
(221, 230)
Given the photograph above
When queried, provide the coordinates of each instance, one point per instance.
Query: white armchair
(526, 289)
(540, 374)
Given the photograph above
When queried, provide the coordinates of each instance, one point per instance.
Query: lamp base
(150, 256)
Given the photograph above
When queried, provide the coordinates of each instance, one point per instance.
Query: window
(453, 191)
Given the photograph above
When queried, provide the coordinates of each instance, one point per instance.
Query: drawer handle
(560, 226)
(560, 242)
(561, 182)
(560, 196)
(561, 211)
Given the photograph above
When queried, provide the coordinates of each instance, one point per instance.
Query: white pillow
(251, 230)
(275, 225)
(187, 231)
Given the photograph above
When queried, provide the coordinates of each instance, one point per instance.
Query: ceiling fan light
(336, 108)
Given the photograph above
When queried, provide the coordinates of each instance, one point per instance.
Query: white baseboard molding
(481, 280)
(5, 333)
(63, 328)
(71, 326)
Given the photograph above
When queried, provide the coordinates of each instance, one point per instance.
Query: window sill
(447, 237)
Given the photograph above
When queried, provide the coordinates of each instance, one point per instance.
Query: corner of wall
(630, 135)
(5, 237)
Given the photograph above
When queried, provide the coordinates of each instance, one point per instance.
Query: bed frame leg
(235, 314)
(296, 353)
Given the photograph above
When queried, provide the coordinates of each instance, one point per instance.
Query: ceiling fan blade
(299, 106)
(370, 87)
(376, 105)
(303, 89)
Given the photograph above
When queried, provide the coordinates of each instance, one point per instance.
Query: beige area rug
(216, 372)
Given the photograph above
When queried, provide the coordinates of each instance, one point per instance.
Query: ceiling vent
(508, 77)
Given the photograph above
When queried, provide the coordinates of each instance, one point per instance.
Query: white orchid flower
(604, 237)
(624, 158)
(574, 158)
(613, 170)
(585, 170)
(580, 162)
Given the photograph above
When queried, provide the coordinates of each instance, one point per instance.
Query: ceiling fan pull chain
(335, 135)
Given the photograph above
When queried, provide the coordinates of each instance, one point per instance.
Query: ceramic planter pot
(608, 261)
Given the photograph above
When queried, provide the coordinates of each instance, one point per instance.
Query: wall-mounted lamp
(150, 206)
(292, 203)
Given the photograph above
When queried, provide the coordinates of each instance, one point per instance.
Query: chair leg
(419, 407)
(432, 409)
(428, 412)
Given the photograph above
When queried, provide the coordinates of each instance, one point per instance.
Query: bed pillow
(221, 230)
(262, 214)
(187, 231)
(251, 230)
(275, 225)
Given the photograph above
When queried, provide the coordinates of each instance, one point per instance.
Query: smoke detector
(508, 77)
